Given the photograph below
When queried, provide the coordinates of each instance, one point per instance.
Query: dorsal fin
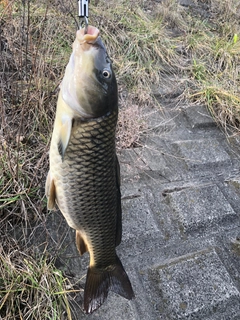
(64, 136)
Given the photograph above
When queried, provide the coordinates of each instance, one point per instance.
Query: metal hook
(83, 23)
(83, 13)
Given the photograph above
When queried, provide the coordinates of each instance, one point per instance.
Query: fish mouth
(90, 36)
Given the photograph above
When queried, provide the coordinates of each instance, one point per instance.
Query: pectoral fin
(65, 133)
(81, 245)
(50, 192)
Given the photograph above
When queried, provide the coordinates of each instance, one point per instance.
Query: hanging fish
(84, 175)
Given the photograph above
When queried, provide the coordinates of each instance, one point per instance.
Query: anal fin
(81, 245)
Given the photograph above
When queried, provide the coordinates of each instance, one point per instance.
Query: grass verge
(31, 287)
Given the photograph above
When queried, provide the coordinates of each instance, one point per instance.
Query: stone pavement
(181, 231)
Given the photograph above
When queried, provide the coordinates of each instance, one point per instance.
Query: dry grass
(149, 43)
(214, 48)
(31, 287)
(34, 50)
(131, 123)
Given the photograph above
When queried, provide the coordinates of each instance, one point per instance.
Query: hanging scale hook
(83, 14)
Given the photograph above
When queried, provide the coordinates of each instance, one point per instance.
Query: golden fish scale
(86, 185)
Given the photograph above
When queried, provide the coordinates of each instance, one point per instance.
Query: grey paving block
(130, 190)
(143, 300)
(159, 123)
(138, 219)
(194, 286)
(199, 117)
(229, 242)
(153, 158)
(231, 189)
(161, 162)
(130, 163)
(115, 307)
(201, 208)
(202, 154)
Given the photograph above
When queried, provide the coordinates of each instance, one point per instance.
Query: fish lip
(90, 37)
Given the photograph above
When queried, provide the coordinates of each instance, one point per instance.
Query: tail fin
(100, 281)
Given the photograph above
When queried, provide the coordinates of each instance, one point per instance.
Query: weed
(223, 105)
(214, 50)
(31, 287)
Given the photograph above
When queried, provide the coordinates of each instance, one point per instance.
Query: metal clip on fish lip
(83, 13)
(83, 23)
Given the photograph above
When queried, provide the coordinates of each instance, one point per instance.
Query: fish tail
(100, 281)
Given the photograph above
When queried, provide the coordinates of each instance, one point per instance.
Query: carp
(84, 175)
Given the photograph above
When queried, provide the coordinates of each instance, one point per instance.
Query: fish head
(89, 85)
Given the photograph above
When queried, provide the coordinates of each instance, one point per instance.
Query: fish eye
(106, 74)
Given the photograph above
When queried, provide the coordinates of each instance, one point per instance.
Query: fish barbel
(84, 175)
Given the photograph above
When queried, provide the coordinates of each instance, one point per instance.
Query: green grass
(32, 288)
(215, 55)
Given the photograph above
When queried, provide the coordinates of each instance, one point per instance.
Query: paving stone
(116, 308)
(201, 154)
(232, 315)
(159, 123)
(130, 190)
(142, 299)
(229, 242)
(194, 287)
(201, 208)
(130, 163)
(153, 158)
(230, 187)
(160, 161)
(199, 117)
(138, 219)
